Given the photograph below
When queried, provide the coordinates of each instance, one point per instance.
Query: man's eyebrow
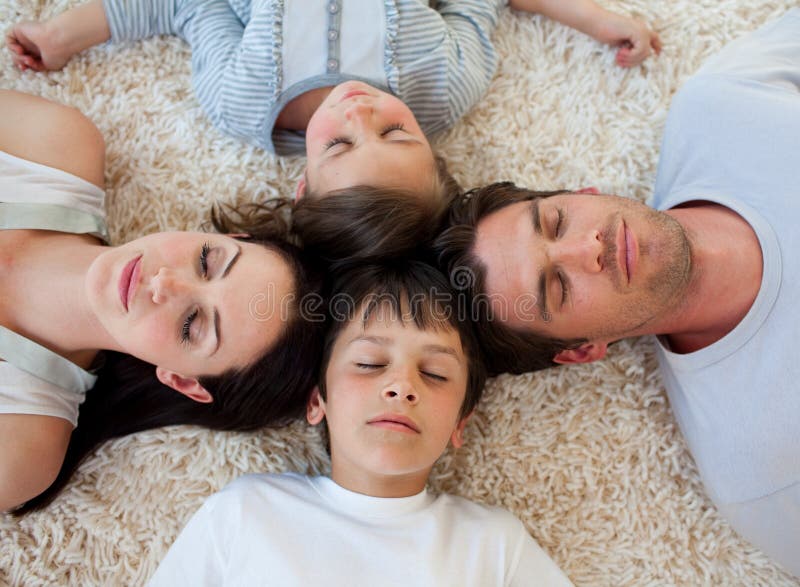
(536, 220)
(217, 330)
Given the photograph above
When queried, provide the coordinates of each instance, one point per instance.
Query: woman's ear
(315, 408)
(300, 191)
(188, 386)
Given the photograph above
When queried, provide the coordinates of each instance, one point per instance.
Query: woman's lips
(128, 281)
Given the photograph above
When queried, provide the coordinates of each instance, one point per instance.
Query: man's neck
(726, 276)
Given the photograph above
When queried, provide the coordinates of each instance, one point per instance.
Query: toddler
(358, 84)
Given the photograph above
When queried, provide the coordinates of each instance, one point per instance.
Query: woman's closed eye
(369, 366)
(186, 329)
(204, 259)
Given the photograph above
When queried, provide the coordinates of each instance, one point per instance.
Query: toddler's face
(362, 136)
(394, 393)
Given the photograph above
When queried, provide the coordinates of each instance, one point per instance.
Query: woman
(214, 318)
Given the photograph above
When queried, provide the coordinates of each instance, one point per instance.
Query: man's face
(582, 266)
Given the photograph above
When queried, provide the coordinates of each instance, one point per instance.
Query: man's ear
(188, 386)
(586, 353)
(457, 437)
(315, 408)
(300, 191)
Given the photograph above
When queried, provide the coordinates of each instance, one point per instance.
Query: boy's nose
(167, 284)
(400, 389)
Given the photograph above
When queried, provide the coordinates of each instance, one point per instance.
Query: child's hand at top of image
(635, 41)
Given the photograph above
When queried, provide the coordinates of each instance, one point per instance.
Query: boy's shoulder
(471, 513)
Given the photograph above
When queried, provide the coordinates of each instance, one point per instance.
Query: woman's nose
(167, 284)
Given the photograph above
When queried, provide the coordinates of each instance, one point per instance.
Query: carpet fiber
(589, 457)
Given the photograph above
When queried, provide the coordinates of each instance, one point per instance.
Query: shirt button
(333, 7)
(333, 34)
(333, 64)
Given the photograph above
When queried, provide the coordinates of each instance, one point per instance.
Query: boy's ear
(300, 191)
(586, 353)
(457, 437)
(315, 408)
(188, 386)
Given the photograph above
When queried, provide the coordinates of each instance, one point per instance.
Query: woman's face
(193, 303)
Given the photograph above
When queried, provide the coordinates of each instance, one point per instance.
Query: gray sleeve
(232, 64)
(472, 59)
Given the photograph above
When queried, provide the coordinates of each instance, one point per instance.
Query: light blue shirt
(250, 59)
(733, 137)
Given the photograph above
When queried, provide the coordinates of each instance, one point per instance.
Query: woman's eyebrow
(217, 330)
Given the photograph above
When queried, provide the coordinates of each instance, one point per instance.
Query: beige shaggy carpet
(589, 457)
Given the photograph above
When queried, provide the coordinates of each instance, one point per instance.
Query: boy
(400, 376)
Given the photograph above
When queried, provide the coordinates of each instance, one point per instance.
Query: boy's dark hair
(412, 290)
(369, 223)
(271, 391)
(507, 349)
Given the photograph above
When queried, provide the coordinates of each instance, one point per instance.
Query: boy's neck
(376, 485)
(296, 114)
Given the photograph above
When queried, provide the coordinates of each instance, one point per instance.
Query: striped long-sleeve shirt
(251, 57)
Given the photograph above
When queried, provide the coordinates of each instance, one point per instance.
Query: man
(712, 270)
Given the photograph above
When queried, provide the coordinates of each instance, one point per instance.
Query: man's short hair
(506, 349)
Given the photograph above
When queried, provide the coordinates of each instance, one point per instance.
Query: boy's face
(362, 136)
(394, 397)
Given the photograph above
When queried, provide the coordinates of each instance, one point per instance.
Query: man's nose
(583, 252)
(400, 388)
(167, 284)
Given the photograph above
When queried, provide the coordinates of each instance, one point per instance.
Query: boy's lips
(396, 422)
(128, 281)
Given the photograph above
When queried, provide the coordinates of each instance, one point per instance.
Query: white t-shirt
(36, 196)
(733, 137)
(292, 530)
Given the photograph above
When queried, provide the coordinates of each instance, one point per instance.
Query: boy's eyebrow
(431, 348)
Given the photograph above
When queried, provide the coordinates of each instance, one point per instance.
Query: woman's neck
(296, 114)
(43, 287)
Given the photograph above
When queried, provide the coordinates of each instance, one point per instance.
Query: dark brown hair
(507, 349)
(368, 223)
(128, 397)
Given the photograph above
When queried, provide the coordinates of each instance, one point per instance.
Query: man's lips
(626, 251)
(128, 281)
(394, 422)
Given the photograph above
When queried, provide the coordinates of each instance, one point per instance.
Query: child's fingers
(655, 42)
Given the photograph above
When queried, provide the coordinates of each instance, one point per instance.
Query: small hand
(634, 39)
(31, 48)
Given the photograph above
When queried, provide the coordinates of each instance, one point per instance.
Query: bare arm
(58, 136)
(635, 40)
